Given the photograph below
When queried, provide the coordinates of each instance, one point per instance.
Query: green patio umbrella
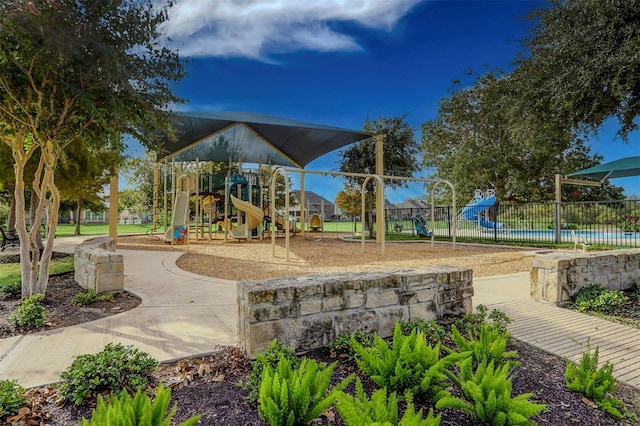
(624, 167)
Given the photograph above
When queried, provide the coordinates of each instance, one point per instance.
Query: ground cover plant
(613, 305)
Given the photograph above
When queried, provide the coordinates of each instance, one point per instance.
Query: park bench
(8, 240)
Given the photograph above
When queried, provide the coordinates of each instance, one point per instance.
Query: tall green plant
(136, 411)
(409, 364)
(294, 397)
(488, 344)
(486, 396)
(362, 411)
(595, 383)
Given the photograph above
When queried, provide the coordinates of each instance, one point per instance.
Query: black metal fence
(610, 223)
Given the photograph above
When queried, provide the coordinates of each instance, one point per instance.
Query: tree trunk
(33, 207)
(11, 220)
(78, 211)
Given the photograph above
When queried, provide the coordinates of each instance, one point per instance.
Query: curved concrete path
(181, 315)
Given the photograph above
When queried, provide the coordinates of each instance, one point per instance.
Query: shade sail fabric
(252, 138)
(624, 167)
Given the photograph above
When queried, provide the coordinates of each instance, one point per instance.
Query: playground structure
(379, 181)
(477, 209)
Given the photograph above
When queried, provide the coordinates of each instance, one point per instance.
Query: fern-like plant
(593, 382)
(294, 397)
(487, 395)
(410, 364)
(380, 410)
(487, 343)
(136, 411)
(270, 357)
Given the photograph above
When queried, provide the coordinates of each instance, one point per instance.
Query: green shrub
(342, 345)
(359, 410)
(295, 396)
(136, 411)
(593, 382)
(270, 357)
(469, 324)
(30, 313)
(409, 365)
(486, 396)
(432, 331)
(115, 369)
(488, 343)
(12, 290)
(11, 397)
(89, 296)
(595, 298)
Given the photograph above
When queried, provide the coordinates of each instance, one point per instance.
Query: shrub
(432, 331)
(469, 324)
(595, 298)
(11, 397)
(89, 296)
(136, 411)
(487, 395)
(270, 357)
(114, 369)
(362, 411)
(295, 396)
(30, 313)
(12, 290)
(593, 382)
(342, 345)
(488, 343)
(410, 364)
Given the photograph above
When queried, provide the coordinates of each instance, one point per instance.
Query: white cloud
(256, 28)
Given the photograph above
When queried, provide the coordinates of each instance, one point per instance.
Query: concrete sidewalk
(181, 315)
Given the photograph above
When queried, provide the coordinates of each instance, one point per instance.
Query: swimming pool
(566, 236)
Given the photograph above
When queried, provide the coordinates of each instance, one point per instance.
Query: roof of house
(312, 198)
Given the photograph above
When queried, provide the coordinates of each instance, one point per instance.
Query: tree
(75, 72)
(581, 62)
(400, 153)
(349, 200)
(483, 137)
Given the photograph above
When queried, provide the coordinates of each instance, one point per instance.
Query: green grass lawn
(10, 272)
(66, 230)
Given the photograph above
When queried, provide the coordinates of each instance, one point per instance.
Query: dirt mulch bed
(253, 260)
(61, 312)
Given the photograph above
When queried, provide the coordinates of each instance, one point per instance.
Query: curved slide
(178, 218)
(253, 218)
(473, 212)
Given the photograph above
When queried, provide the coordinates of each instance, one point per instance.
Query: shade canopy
(624, 167)
(252, 138)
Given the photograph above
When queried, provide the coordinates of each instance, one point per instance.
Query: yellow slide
(253, 218)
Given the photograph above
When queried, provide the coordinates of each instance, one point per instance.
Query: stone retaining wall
(557, 277)
(311, 311)
(98, 267)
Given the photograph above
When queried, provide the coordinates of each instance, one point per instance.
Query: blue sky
(339, 62)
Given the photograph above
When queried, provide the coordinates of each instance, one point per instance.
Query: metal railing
(608, 223)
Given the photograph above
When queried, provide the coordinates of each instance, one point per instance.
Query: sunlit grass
(10, 272)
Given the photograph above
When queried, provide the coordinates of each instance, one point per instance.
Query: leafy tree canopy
(75, 71)
(483, 137)
(581, 62)
(400, 151)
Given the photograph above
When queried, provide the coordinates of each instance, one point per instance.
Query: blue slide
(421, 226)
(474, 211)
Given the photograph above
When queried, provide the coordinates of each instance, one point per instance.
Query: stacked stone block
(98, 267)
(311, 311)
(557, 277)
